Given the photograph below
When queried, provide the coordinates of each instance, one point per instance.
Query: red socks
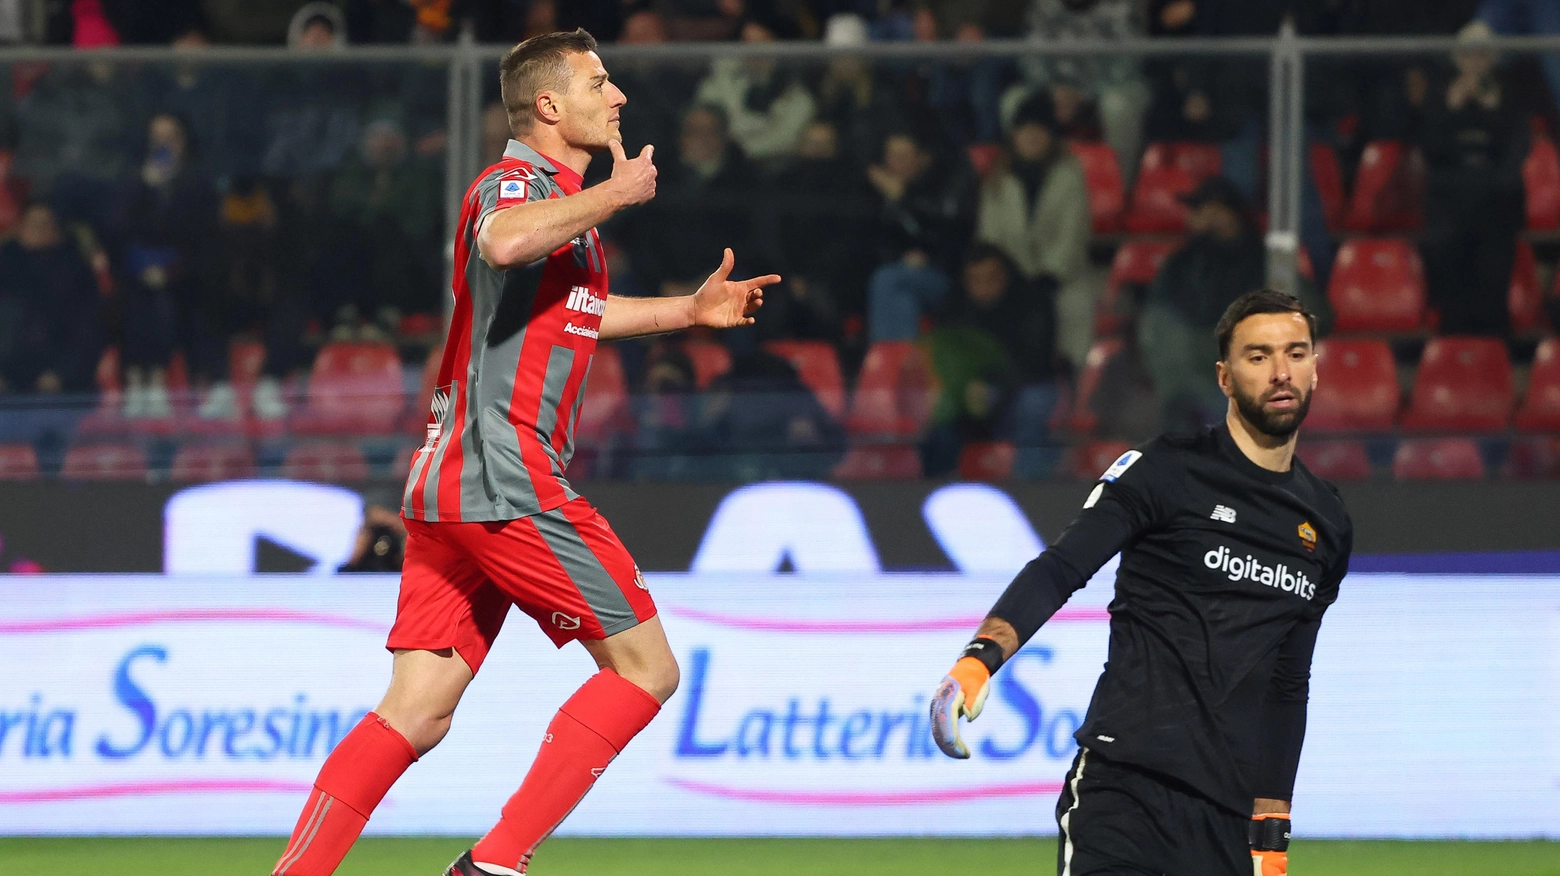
(588, 731)
(355, 777)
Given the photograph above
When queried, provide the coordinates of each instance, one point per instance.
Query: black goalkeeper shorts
(1119, 820)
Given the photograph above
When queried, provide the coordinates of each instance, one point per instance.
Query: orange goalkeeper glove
(1269, 836)
(963, 693)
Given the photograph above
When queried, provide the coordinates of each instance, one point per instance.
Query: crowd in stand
(165, 209)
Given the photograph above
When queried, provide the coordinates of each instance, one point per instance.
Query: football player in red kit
(491, 520)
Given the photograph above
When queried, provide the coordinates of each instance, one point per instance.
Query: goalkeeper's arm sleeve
(1115, 514)
(1283, 713)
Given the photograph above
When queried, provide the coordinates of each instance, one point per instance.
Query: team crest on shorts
(639, 579)
(1307, 535)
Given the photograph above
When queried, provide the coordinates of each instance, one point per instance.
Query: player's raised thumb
(616, 148)
(647, 153)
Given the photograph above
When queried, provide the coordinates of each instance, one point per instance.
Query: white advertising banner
(205, 704)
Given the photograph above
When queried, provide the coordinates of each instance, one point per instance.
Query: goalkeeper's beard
(1275, 424)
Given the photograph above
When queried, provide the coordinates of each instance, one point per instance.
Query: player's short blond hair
(539, 64)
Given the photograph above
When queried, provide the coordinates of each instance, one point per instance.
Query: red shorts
(565, 568)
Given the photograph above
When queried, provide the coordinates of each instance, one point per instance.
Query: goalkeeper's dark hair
(1254, 304)
(538, 64)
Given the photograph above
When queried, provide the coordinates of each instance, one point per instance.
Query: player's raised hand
(961, 694)
(726, 303)
(633, 178)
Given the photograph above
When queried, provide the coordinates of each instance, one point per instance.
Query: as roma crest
(1308, 535)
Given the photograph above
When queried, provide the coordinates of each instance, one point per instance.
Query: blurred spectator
(1527, 17)
(312, 122)
(79, 122)
(664, 407)
(1036, 210)
(823, 211)
(219, 103)
(1223, 259)
(140, 22)
(1112, 86)
(764, 423)
(51, 331)
(510, 21)
(392, 200)
(966, 95)
(168, 217)
(926, 212)
(90, 25)
(368, 22)
(702, 19)
(657, 89)
(704, 202)
(858, 96)
(1474, 143)
(257, 295)
(1185, 99)
(994, 356)
(766, 103)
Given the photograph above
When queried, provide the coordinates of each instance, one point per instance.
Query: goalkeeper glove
(1269, 835)
(963, 692)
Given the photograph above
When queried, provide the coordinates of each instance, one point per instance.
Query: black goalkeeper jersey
(1226, 570)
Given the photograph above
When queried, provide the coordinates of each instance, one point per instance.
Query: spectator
(51, 331)
(76, 127)
(1527, 17)
(313, 121)
(392, 200)
(704, 203)
(665, 414)
(823, 211)
(218, 102)
(994, 356)
(139, 22)
(1036, 210)
(1185, 99)
(856, 96)
(766, 104)
(966, 96)
(168, 217)
(658, 89)
(925, 210)
(1223, 259)
(1112, 87)
(692, 20)
(766, 424)
(1474, 143)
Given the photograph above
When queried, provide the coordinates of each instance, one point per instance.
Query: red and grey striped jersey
(501, 428)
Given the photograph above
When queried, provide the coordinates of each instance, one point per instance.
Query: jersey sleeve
(508, 185)
(1126, 503)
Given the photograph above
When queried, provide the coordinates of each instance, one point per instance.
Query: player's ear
(547, 108)
(1223, 372)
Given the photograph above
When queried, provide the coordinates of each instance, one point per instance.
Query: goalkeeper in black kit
(1231, 552)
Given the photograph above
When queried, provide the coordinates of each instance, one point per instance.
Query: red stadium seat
(987, 461)
(1463, 384)
(818, 365)
(1081, 419)
(1540, 411)
(1357, 386)
(1107, 192)
(1377, 285)
(355, 388)
(1335, 460)
(879, 463)
(18, 462)
(1168, 171)
(1541, 181)
(710, 360)
(894, 392)
(213, 463)
(325, 461)
(1201, 160)
(1389, 189)
(1090, 460)
(1533, 458)
(105, 462)
(604, 411)
(1438, 459)
(1328, 176)
(246, 359)
(1525, 300)
(1136, 262)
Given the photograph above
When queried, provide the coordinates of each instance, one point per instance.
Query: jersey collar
(1243, 462)
(525, 153)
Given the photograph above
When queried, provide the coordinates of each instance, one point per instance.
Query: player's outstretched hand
(725, 303)
(962, 693)
(634, 178)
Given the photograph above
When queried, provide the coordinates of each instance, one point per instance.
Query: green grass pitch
(426, 856)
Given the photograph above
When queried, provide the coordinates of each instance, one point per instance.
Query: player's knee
(659, 678)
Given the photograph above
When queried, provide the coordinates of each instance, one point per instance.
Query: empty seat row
(105, 461)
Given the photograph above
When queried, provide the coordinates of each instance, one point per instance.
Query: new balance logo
(581, 300)
(564, 622)
(1224, 513)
